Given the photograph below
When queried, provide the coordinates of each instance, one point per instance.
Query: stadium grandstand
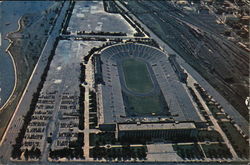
(137, 83)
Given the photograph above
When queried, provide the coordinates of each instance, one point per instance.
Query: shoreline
(13, 62)
(8, 125)
(16, 15)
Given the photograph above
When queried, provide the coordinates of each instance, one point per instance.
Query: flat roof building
(157, 130)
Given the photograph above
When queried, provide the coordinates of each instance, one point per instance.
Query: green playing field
(145, 105)
(136, 75)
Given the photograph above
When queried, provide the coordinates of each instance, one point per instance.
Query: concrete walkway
(90, 84)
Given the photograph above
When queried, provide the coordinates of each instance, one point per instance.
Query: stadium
(139, 84)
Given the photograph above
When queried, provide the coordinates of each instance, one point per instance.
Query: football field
(137, 77)
(142, 99)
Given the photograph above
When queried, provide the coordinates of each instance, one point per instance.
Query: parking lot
(90, 16)
(57, 111)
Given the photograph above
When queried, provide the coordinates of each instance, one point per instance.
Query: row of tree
(110, 6)
(102, 33)
(67, 18)
(33, 153)
(146, 41)
(81, 97)
(200, 107)
(140, 30)
(69, 153)
(16, 151)
(124, 153)
(95, 49)
(92, 101)
(189, 152)
(218, 153)
(102, 138)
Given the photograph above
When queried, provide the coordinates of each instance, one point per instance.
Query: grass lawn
(136, 75)
(240, 144)
(189, 151)
(25, 64)
(213, 108)
(216, 151)
(145, 105)
(211, 136)
(119, 152)
(221, 116)
(101, 138)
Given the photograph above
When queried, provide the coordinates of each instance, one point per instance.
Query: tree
(26, 154)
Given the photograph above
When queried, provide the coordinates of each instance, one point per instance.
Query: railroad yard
(201, 43)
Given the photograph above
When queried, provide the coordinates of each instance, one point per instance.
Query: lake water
(10, 12)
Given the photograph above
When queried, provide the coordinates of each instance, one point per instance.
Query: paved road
(99, 36)
(241, 121)
(24, 103)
